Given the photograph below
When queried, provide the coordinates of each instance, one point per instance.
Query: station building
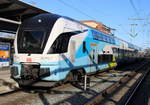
(99, 26)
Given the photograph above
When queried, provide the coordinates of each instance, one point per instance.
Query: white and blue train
(51, 48)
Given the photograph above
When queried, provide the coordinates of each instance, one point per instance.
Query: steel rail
(136, 88)
(101, 96)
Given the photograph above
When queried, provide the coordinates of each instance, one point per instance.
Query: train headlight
(39, 20)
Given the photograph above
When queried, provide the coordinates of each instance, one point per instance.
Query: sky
(130, 18)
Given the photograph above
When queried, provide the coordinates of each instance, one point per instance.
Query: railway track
(139, 94)
(68, 94)
(115, 94)
(60, 94)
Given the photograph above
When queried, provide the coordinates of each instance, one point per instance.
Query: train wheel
(69, 77)
(78, 76)
(75, 76)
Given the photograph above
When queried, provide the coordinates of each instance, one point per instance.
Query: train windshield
(34, 32)
(32, 41)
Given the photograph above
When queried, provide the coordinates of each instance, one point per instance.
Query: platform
(6, 83)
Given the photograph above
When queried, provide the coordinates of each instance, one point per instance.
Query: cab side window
(60, 45)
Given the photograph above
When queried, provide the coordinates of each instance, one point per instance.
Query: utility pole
(133, 34)
(140, 19)
(132, 31)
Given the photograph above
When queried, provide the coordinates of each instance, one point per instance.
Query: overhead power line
(134, 8)
(76, 9)
(93, 9)
(132, 32)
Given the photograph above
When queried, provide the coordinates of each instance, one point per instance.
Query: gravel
(69, 95)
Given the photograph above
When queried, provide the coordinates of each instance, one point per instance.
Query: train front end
(31, 64)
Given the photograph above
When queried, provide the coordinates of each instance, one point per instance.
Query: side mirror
(84, 47)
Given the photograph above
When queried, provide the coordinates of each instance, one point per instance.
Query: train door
(94, 57)
(72, 51)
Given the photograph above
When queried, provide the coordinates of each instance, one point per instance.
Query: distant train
(50, 48)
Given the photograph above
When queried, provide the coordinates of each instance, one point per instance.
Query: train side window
(104, 38)
(84, 47)
(60, 45)
(119, 52)
(105, 58)
(108, 58)
(100, 58)
(113, 41)
(107, 39)
(115, 52)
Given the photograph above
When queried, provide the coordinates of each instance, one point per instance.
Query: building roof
(15, 10)
(98, 25)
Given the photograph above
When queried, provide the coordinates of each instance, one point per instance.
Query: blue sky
(113, 13)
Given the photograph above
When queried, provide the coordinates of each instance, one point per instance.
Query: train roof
(129, 44)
